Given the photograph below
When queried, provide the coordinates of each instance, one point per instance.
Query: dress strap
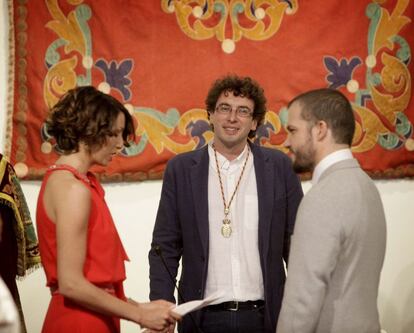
(81, 176)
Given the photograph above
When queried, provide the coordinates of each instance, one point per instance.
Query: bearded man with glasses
(227, 211)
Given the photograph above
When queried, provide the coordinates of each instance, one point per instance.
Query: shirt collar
(327, 161)
(223, 162)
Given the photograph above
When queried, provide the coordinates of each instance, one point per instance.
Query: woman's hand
(158, 316)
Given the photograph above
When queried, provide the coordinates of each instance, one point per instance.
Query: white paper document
(185, 308)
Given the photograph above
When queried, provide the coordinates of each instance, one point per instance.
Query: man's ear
(321, 130)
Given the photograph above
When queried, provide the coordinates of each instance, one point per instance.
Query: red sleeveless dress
(104, 262)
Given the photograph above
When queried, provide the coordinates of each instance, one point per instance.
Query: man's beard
(304, 158)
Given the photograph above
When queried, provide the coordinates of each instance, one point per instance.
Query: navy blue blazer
(181, 228)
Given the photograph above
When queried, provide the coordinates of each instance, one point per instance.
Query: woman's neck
(76, 160)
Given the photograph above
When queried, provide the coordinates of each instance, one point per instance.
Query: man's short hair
(331, 106)
(239, 86)
(85, 114)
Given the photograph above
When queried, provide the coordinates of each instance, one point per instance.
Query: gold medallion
(226, 230)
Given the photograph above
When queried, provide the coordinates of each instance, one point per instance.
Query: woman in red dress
(81, 251)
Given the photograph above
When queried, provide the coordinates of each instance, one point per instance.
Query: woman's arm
(70, 204)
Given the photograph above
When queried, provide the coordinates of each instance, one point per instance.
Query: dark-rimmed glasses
(241, 111)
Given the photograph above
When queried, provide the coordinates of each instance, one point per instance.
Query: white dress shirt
(234, 268)
(327, 161)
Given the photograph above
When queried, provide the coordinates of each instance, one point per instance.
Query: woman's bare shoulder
(63, 183)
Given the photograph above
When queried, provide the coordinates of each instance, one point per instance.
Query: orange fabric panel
(160, 57)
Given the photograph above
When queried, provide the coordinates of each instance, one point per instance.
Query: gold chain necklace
(226, 227)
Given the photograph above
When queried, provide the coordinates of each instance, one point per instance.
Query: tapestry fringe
(10, 81)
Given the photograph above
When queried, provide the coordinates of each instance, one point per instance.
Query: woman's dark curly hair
(239, 86)
(87, 115)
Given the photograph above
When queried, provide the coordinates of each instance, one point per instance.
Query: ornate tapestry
(160, 57)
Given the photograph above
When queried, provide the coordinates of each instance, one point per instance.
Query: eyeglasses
(241, 111)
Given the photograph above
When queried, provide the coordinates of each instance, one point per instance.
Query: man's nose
(286, 144)
(233, 114)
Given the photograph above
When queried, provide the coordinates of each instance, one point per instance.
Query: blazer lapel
(264, 181)
(199, 186)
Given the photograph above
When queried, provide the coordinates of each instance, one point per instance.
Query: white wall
(134, 207)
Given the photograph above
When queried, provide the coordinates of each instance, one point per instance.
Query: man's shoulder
(341, 185)
(272, 154)
(347, 172)
(188, 156)
(267, 151)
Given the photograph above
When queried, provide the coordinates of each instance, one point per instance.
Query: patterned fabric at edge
(18, 247)
(104, 262)
(11, 195)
